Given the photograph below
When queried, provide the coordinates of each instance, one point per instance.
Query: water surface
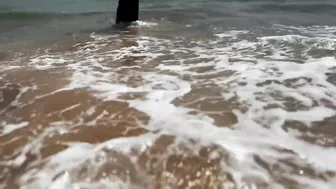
(197, 94)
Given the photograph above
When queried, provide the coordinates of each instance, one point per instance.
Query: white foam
(231, 33)
(62, 163)
(146, 24)
(62, 182)
(91, 111)
(312, 115)
(314, 184)
(47, 61)
(58, 163)
(259, 131)
(9, 128)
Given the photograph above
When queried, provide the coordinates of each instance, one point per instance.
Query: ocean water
(235, 94)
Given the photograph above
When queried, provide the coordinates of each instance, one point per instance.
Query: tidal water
(214, 94)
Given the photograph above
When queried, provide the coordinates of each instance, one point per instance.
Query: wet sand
(41, 99)
(42, 114)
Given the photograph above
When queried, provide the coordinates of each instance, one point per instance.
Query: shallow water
(198, 94)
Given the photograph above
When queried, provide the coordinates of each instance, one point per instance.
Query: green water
(40, 20)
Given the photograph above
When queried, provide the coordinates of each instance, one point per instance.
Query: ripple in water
(236, 110)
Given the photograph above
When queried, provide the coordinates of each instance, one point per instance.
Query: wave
(295, 7)
(42, 15)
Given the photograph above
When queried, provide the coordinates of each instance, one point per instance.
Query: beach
(196, 94)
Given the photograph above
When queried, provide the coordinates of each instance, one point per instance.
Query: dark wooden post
(128, 11)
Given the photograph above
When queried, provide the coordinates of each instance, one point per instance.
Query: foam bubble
(146, 24)
(9, 128)
(266, 77)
